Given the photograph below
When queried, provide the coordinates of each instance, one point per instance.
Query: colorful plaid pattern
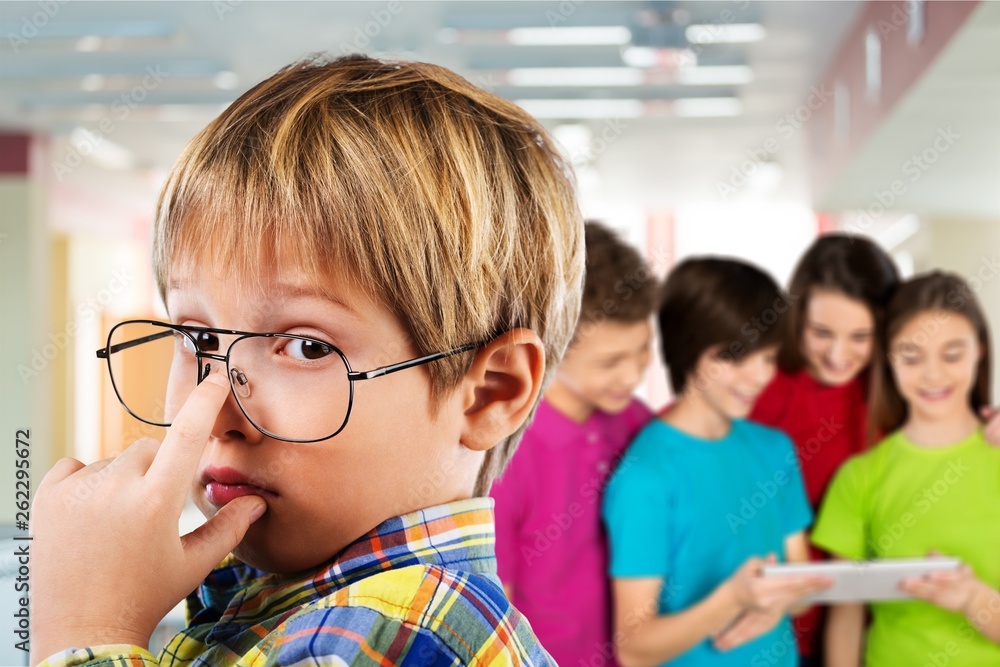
(419, 589)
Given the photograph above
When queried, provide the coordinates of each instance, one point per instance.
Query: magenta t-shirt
(551, 545)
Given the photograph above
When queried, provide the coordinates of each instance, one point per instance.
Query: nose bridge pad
(240, 383)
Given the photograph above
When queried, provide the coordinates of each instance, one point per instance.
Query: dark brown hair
(849, 264)
(935, 291)
(710, 302)
(618, 286)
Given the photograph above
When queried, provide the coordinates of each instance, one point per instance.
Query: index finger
(177, 460)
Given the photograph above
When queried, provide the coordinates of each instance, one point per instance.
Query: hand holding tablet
(864, 581)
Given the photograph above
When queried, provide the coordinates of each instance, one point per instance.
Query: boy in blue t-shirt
(703, 499)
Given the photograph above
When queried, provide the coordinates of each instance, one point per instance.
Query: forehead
(272, 283)
(936, 328)
(834, 309)
(611, 337)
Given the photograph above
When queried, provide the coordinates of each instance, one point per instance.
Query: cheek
(906, 377)
(813, 345)
(863, 352)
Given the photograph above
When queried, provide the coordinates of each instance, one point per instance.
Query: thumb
(987, 412)
(208, 544)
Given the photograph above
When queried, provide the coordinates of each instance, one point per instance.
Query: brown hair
(445, 203)
(618, 285)
(935, 291)
(709, 302)
(852, 265)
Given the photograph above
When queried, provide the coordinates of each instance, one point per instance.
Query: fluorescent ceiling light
(699, 107)
(570, 36)
(583, 108)
(575, 76)
(639, 56)
(734, 75)
(646, 57)
(101, 150)
(733, 33)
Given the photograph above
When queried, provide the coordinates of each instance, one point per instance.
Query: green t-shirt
(901, 500)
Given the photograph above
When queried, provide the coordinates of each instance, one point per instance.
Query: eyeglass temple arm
(105, 351)
(403, 365)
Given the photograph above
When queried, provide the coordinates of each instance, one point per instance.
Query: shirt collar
(459, 536)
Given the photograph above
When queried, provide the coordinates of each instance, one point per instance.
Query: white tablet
(864, 581)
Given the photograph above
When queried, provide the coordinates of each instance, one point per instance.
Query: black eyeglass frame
(204, 369)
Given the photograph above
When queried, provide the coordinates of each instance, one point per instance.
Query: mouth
(838, 369)
(225, 484)
(743, 398)
(935, 395)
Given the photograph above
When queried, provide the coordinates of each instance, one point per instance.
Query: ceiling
(942, 141)
(78, 67)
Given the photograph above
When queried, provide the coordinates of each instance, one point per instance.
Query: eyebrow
(815, 325)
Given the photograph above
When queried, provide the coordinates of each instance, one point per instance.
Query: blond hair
(444, 202)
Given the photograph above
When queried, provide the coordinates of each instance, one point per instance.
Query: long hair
(935, 291)
(849, 264)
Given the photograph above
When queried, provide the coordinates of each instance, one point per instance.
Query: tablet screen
(864, 581)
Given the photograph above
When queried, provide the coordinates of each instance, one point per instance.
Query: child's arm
(961, 591)
(643, 637)
(755, 622)
(797, 551)
(845, 625)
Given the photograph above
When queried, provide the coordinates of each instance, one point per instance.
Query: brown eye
(207, 342)
(307, 350)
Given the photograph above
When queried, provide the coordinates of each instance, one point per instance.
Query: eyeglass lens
(289, 387)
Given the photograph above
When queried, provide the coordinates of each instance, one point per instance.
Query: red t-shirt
(828, 425)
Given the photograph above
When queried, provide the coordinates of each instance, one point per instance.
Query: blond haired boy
(371, 269)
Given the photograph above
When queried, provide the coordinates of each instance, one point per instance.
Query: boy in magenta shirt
(551, 545)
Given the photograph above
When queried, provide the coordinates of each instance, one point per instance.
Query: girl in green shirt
(932, 486)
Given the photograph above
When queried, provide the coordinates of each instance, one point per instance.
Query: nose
(932, 369)
(838, 352)
(232, 424)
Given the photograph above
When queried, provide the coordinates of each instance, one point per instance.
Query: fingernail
(258, 511)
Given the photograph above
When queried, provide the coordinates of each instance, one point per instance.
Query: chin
(613, 407)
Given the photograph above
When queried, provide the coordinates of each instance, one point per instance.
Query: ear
(501, 388)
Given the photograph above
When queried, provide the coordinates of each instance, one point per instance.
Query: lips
(837, 369)
(224, 484)
(934, 395)
(746, 399)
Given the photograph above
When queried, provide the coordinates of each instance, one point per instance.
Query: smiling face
(321, 496)
(837, 337)
(934, 359)
(602, 368)
(730, 388)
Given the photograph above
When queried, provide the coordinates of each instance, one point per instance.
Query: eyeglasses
(291, 388)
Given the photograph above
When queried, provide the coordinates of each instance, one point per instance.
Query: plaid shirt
(420, 589)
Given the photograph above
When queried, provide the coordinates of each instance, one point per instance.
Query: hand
(752, 591)
(108, 562)
(953, 590)
(749, 625)
(992, 428)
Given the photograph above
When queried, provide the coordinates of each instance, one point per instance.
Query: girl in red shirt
(819, 396)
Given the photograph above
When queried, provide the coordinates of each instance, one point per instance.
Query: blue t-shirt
(692, 511)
